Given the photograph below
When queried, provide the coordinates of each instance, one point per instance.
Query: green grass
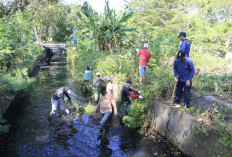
(124, 66)
(15, 80)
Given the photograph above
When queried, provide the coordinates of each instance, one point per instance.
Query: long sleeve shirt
(185, 69)
(96, 81)
(126, 94)
(185, 46)
(106, 102)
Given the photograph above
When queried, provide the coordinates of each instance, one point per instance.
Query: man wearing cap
(183, 72)
(96, 81)
(57, 100)
(125, 97)
(185, 45)
(144, 58)
(106, 104)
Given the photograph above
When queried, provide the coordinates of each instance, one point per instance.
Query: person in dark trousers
(185, 45)
(57, 100)
(183, 72)
(144, 58)
(88, 74)
(125, 97)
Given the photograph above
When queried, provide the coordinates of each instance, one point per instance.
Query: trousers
(124, 105)
(180, 86)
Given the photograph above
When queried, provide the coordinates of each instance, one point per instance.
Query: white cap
(69, 91)
(145, 45)
(98, 73)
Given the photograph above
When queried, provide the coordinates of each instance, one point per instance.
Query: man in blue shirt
(88, 74)
(183, 72)
(185, 45)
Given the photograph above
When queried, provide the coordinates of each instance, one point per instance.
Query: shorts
(142, 70)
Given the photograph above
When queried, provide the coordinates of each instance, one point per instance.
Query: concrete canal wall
(183, 130)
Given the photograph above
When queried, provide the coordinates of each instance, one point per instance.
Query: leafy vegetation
(159, 23)
(24, 24)
(213, 122)
(4, 128)
(137, 115)
(109, 31)
(107, 42)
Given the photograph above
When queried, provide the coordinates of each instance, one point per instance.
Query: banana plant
(110, 30)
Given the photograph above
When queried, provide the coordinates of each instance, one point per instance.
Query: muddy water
(31, 134)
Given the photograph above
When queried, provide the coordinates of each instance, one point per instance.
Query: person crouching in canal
(106, 104)
(183, 68)
(57, 101)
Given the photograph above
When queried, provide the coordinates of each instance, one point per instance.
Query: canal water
(32, 135)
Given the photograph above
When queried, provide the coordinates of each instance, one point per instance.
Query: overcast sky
(98, 5)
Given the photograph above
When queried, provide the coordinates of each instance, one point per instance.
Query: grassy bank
(214, 71)
(15, 80)
(214, 79)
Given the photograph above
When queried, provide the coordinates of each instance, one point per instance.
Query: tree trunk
(37, 34)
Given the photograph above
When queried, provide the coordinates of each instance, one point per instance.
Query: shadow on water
(31, 134)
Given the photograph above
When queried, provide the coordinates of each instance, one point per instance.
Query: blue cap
(181, 54)
(129, 81)
(103, 88)
(182, 34)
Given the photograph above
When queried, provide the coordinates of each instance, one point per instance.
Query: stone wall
(5, 100)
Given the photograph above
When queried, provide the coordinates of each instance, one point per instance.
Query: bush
(137, 115)
(15, 80)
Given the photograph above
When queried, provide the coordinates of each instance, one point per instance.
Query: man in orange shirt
(107, 105)
(144, 58)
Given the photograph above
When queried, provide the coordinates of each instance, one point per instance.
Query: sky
(98, 5)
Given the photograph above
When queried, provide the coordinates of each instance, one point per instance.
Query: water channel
(31, 134)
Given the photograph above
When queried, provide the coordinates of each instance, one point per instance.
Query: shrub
(137, 115)
(4, 127)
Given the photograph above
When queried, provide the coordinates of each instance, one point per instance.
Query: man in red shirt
(144, 58)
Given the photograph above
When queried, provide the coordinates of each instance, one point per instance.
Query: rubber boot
(50, 117)
(100, 133)
(107, 129)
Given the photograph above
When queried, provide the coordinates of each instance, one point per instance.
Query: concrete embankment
(183, 130)
(5, 100)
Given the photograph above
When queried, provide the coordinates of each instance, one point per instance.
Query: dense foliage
(107, 42)
(208, 27)
(23, 26)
